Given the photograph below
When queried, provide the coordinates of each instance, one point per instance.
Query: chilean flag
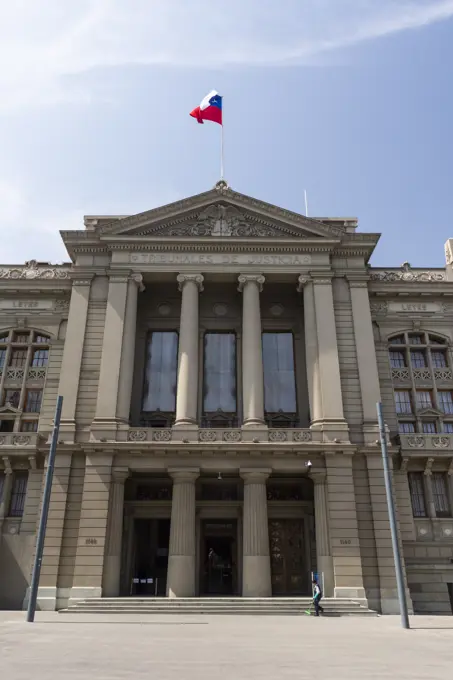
(209, 109)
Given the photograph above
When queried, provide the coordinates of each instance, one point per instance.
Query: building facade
(220, 360)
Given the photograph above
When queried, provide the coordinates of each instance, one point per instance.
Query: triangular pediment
(430, 413)
(219, 213)
(9, 409)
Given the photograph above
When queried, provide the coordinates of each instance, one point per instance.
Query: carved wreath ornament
(406, 275)
(32, 270)
(223, 220)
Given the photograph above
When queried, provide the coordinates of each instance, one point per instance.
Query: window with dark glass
(6, 425)
(397, 359)
(161, 372)
(219, 383)
(439, 359)
(418, 359)
(29, 426)
(429, 427)
(440, 494)
(33, 401)
(18, 494)
(424, 399)
(40, 357)
(445, 401)
(279, 373)
(21, 337)
(18, 358)
(406, 428)
(398, 340)
(403, 401)
(2, 356)
(415, 339)
(42, 339)
(417, 491)
(448, 427)
(11, 397)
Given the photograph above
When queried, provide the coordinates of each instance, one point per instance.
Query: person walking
(317, 597)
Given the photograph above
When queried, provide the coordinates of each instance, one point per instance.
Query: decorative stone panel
(422, 374)
(401, 374)
(443, 374)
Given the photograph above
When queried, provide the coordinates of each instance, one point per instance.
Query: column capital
(7, 463)
(80, 278)
(255, 475)
(318, 477)
(322, 278)
(198, 279)
(250, 278)
(358, 280)
(120, 474)
(138, 280)
(428, 467)
(302, 281)
(181, 475)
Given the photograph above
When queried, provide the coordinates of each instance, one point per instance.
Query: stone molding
(32, 270)
(243, 279)
(255, 475)
(406, 275)
(303, 281)
(120, 474)
(182, 475)
(198, 279)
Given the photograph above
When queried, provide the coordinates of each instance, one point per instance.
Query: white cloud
(46, 42)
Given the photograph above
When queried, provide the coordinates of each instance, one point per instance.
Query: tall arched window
(423, 382)
(24, 355)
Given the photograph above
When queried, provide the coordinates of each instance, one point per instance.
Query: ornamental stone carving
(137, 436)
(207, 436)
(406, 274)
(162, 435)
(379, 307)
(223, 220)
(302, 436)
(400, 374)
(32, 270)
(278, 436)
(36, 374)
(250, 278)
(232, 436)
(442, 374)
(20, 440)
(61, 305)
(2, 441)
(416, 442)
(422, 374)
(198, 279)
(14, 374)
(441, 442)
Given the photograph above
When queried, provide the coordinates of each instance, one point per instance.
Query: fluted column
(128, 350)
(428, 476)
(182, 551)
(305, 284)
(256, 565)
(187, 391)
(112, 564)
(252, 353)
(324, 560)
(5, 493)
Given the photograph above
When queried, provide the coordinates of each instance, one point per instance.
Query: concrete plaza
(234, 647)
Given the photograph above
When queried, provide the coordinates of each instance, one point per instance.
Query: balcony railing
(19, 439)
(220, 435)
(425, 442)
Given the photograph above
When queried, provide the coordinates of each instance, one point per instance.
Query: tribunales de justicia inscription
(221, 258)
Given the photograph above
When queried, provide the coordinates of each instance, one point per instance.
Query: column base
(333, 429)
(254, 422)
(185, 431)
(104, 428)
(78, 593)
(256, 576)
(67, 432)
(111, 580)
(350, 593)
(181, 576)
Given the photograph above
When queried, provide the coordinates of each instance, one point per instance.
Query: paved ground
(235, 647)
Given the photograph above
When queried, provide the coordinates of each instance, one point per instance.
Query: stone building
(220, 361)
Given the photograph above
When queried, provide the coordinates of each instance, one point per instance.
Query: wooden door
(288, 563)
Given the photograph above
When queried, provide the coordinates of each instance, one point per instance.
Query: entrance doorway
(218, 558)
(289, 566)
(150, 564)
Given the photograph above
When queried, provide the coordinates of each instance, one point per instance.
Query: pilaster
(256, 564)
(305, 284)
(6, 491)
(182, 551)
(112, 567)
(135, 284)
(324, 561)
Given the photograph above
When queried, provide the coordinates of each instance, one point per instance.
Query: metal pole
(221, 151)
(44, 514)
(392, 518)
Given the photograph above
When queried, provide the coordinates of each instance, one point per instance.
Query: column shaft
(311, 348)
(182, 552)
(128, 349)
(252, 352)
(112, 567)
(323, 554)
(256, 568)
(5, 495)
(187, 391)
(431, 508)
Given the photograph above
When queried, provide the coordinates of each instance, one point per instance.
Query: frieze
(406, 275)
(220, 258)
(32, 270)
(16, 304)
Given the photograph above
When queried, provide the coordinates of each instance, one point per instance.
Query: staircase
(288, 606)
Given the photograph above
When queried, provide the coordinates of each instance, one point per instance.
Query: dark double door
(150, 564)
(289, 566)
(218, 575)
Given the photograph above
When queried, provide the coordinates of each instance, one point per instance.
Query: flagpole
(221, 150)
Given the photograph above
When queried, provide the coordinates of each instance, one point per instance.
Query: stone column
(450, 485)
(6, 492)
(182, 552)
(105, 418)
(366, 356)
(187, 391)
(430, 507)
(311, 348)
(256, 565)
(329, 365)
(128, 351)
(72, 354)
(112, 566)
(324, 561)
(252, 352)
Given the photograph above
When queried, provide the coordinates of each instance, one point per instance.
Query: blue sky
(350, 99)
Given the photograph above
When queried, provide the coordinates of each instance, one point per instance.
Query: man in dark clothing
(317, 596)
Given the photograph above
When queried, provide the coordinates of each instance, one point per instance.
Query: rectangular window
(279, 373)
(161, 372)
(429, 428)
(43, 339)
(6, 425)
(418, 359)
(439, 359)
(440, 494)
(406, 428)
(415, 339)
(448, 427)
(424, 399)
(29, 426)
(12, 397)
(40, 357)
(445, 400)
(2, 356)
(219, 385)
(417, 491)
(33, 401)
(18, 358)
(403, 401)
(18, 494)
(21, 337)
(397, 359)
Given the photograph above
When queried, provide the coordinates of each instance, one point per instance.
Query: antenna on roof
(306, 203)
